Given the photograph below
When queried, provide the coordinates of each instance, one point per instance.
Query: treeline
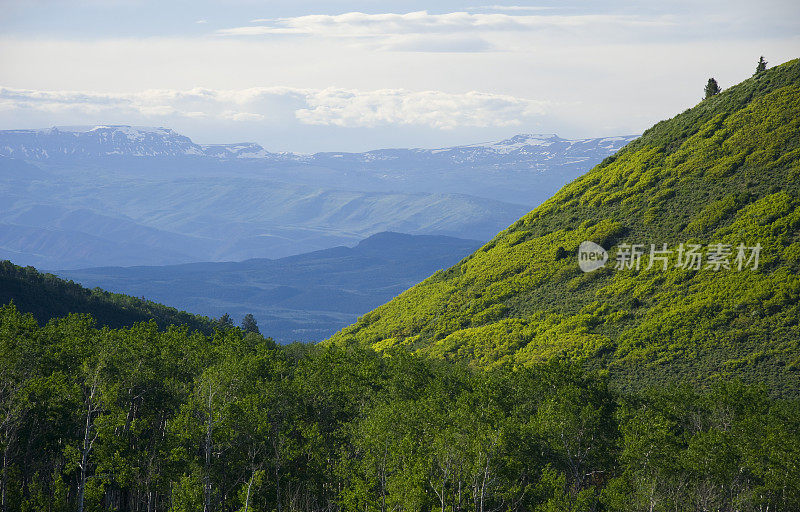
(48, 296)
(143, 419)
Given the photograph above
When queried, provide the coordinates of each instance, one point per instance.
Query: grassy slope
(727, 170)
(47, 296)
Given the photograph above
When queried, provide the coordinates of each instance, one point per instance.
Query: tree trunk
(84, 459)
(483, 483)
(276, 447)
(207, 476)
(3, 484)
(249, 485)
(458, 504)
(88, 439)
(277, 487)
(383, 482)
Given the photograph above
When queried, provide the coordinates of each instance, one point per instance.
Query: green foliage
(178, 421)
(712, 88)
(761, 66)
(249, 323)
(726, 171)
(47, 296)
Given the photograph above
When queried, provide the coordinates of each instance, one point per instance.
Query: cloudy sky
(303, 75)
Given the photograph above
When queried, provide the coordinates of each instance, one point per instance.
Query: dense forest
(726, 171)
(47, 296)
(143, 419)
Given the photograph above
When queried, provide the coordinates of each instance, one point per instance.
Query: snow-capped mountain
(237, 150)
(81, 142)
(64, 143)
(127, 195)
(521, 152)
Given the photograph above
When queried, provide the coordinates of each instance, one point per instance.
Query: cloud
(328, 107)
(154, 103)
(242, 116)
(437, 109)
(466, 32)
(450, 43)
(510, 8)
(358, 24)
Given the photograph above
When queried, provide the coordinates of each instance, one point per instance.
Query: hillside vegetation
(46, 296)
(726, 171)
(171, 420)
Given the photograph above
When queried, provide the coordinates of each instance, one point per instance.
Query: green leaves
(234, 422)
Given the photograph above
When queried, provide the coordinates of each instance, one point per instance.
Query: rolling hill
(724, 172)
(46, 296)
(306, 297)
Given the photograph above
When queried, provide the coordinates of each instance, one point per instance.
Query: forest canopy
(140, 418)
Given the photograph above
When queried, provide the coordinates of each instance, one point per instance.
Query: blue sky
(328, 75)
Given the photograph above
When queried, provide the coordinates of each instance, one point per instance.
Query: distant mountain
(119, 195)
(80, 142)
(306, 297)
(720, 180)
(85, 142)
(525, 169)
(47, 296)
(74, 222)
(526, 151)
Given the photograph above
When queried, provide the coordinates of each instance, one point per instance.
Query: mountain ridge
(306, 297)
(145, 141)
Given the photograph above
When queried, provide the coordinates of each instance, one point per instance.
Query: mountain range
(307, 297)
(529, 161)
(118, 195)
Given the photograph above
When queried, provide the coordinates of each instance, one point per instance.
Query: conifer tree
(249, 324)
(225, 320)
(761, 67)
(712, 88)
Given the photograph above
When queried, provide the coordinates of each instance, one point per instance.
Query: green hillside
(726, 171)
(46, 296)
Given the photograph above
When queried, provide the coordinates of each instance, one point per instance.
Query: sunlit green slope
(726, 171)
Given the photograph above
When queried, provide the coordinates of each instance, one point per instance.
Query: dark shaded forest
(47, 296)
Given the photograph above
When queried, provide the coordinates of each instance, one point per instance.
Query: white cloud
(242, 116)
(450, 43)
(427, 108)
(329, 107)
(358, 24)
(510, 8)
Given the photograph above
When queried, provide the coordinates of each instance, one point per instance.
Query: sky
(327, 75)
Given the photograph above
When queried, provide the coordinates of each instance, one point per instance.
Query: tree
(712, 88)
(225, 321)
(94, 407)
(249, 324)
(761, 67)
